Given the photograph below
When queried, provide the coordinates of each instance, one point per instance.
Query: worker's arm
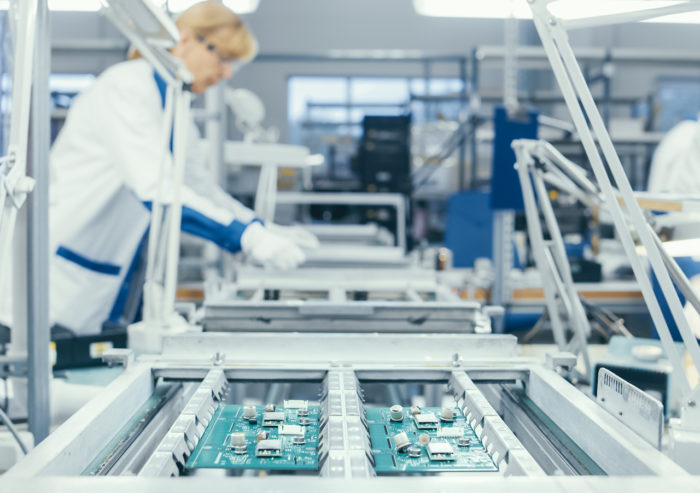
(133, 127)
(202, 180)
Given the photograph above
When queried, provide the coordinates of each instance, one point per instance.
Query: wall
(321, 26)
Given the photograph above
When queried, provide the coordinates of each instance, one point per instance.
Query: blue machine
(506, 193)
(469, 228)
(690, 268)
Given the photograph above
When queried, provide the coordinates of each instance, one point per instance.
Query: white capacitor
(237, 439)
(248, 412)
(396, 412)
(447, 414)
(401, 441)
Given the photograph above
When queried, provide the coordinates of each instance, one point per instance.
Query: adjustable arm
(583, 110)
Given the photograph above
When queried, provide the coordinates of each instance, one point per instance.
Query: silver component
(303, 421)
(414, 451)
(298, 440)
(240, 449)
(451, 432)
(401, 441)
(426, 421)
(396, 412)
(262, 435)
(268, 448)
(291, 430)
(463, 442)
(414, 410)
(270, 408)
(296, 404)
(272, 418)
(440, 451)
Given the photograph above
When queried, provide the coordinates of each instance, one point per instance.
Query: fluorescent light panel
(238, 6)
(564, 9)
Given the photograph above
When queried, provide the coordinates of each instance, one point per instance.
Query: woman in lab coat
(105, 173)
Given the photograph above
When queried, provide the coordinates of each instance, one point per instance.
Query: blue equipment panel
(435, 445)
(270, 440)
(505, 184)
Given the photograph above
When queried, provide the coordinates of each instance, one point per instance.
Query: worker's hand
(296, 234)
(269, 249)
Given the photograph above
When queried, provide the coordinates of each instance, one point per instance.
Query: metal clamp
(118, 356)
(13, 366)
(173, 451)
(344, 436)
(498, 439)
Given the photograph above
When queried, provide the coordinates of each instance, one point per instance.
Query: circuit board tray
(279, 450)
(440, 451)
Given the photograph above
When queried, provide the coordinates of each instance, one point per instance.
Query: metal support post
(38, 236)
(463, 99)
(474, 107)
(503, 222)
(215, 135)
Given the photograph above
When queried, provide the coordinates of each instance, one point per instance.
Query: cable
(8, 422)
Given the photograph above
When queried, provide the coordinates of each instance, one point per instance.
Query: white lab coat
(675, 167)
(104, 171)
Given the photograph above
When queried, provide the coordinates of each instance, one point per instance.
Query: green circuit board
(440, 451)
(280, 449)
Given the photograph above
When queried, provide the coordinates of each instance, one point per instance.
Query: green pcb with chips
(420, 440)
(260, 437)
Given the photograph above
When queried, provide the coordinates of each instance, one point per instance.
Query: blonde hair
(219, 25)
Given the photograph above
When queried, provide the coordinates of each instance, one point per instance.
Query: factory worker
(105, 174)
(675, 169)
(675, 166)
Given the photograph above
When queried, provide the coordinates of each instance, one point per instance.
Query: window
(678, 99)
(326, 113)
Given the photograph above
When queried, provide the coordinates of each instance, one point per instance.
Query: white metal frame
(338, 361)
(591, 129)
(14, 184)
(562, 298)
(395, 200)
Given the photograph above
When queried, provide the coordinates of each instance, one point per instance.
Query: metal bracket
(562, 363)
(13, 366)
(632, 406)
(118, 356)
(183, 435)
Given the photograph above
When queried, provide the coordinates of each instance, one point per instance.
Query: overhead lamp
(564, 9)
(238, 6)
(75, 5)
